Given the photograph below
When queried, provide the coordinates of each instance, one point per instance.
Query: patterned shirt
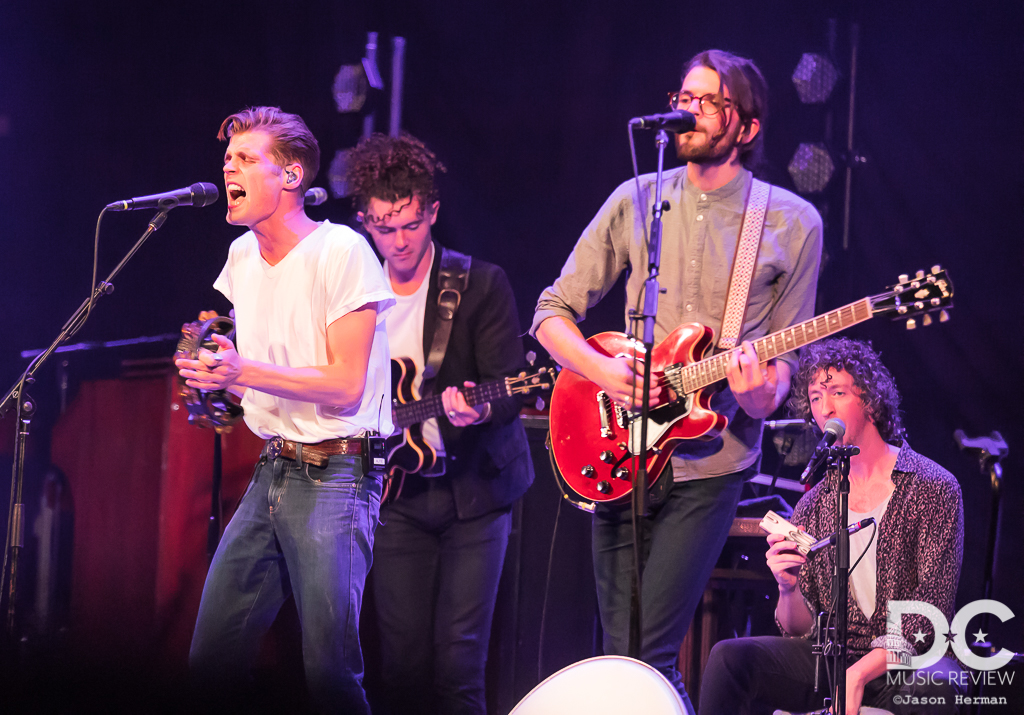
(699, 237)
(920, 547)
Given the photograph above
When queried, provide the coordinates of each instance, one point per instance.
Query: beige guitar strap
(744, 263)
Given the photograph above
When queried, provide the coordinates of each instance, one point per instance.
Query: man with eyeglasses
(687, 527)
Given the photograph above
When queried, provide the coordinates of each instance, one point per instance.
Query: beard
(713, 150)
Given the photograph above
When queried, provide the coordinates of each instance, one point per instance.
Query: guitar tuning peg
(936, 268)
(903, 278)
(943, 316)
(911, 324)
(920, 275)
(531, 357)
(539, 404)
(926, 320)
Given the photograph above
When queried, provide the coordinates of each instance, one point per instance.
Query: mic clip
(831, 455)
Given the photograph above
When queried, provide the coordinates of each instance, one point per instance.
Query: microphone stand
(652, 290)
(839, 461)
(26, 408)
(990, 451)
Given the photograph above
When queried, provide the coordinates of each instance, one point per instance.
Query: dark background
(527, 106)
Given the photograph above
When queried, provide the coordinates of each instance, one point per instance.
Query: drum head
(606, 685)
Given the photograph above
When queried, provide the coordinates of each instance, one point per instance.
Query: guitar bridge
(620, 416)
(604, 409)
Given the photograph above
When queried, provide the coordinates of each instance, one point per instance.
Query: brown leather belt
(315, 454)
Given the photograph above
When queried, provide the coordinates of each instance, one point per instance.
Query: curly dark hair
(873, 381)
(392, 168)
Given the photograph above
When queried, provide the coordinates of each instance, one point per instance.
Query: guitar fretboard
(710, 370)
(422, 410)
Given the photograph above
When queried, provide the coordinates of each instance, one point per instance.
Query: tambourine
(214, 408)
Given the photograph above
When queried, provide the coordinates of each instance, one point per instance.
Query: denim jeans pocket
(342, 472)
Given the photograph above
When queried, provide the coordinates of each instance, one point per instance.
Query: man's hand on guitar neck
(459, 412)
(759, 390)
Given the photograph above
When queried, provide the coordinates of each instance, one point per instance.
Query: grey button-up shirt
(699, 238)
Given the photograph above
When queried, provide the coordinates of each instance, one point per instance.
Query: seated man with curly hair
(916, 556)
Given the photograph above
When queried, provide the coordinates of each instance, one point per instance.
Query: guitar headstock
(923, 294)
(524, 384)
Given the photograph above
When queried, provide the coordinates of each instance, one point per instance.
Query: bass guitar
(593, 440)
(407, 451)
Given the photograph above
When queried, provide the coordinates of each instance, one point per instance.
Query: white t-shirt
(281, 317)
(864, 578)
(405, 337)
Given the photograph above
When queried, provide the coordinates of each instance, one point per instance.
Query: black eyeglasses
(709, 103)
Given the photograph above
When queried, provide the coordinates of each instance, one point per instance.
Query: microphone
(834, 430)
(783, 424)
(315, 196)
(852, 529)
(678, 121)
(201, 194)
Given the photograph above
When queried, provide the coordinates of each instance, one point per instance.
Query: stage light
(811, 168)
(350, 88)
(815, 77)
(336, 174)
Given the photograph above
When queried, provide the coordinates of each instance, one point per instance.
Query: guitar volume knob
(620, 473)
(588, 471)
(607, 457)
(604, 487)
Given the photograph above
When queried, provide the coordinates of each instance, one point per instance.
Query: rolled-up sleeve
(597, 260)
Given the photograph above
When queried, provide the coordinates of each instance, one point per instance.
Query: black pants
(759, 675)
(435, 582)
(684, 537)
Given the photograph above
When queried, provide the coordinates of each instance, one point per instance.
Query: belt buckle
(274, 447)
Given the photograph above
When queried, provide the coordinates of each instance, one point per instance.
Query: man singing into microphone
(313, 371)
(707, 200)
(915, 555)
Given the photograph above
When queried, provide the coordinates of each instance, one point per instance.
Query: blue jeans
(304, 530)
(684, 537)
(435, 583)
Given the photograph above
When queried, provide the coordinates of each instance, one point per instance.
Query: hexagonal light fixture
(336, 174)
(350, 88)
(811, 168)
(815, 77)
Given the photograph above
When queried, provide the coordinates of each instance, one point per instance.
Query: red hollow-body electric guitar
(593, 440)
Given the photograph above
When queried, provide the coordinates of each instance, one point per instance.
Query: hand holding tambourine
(205, 347)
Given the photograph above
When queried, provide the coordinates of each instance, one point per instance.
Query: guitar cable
(551, 561)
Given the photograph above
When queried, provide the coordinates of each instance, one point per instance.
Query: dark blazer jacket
(489, 465)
